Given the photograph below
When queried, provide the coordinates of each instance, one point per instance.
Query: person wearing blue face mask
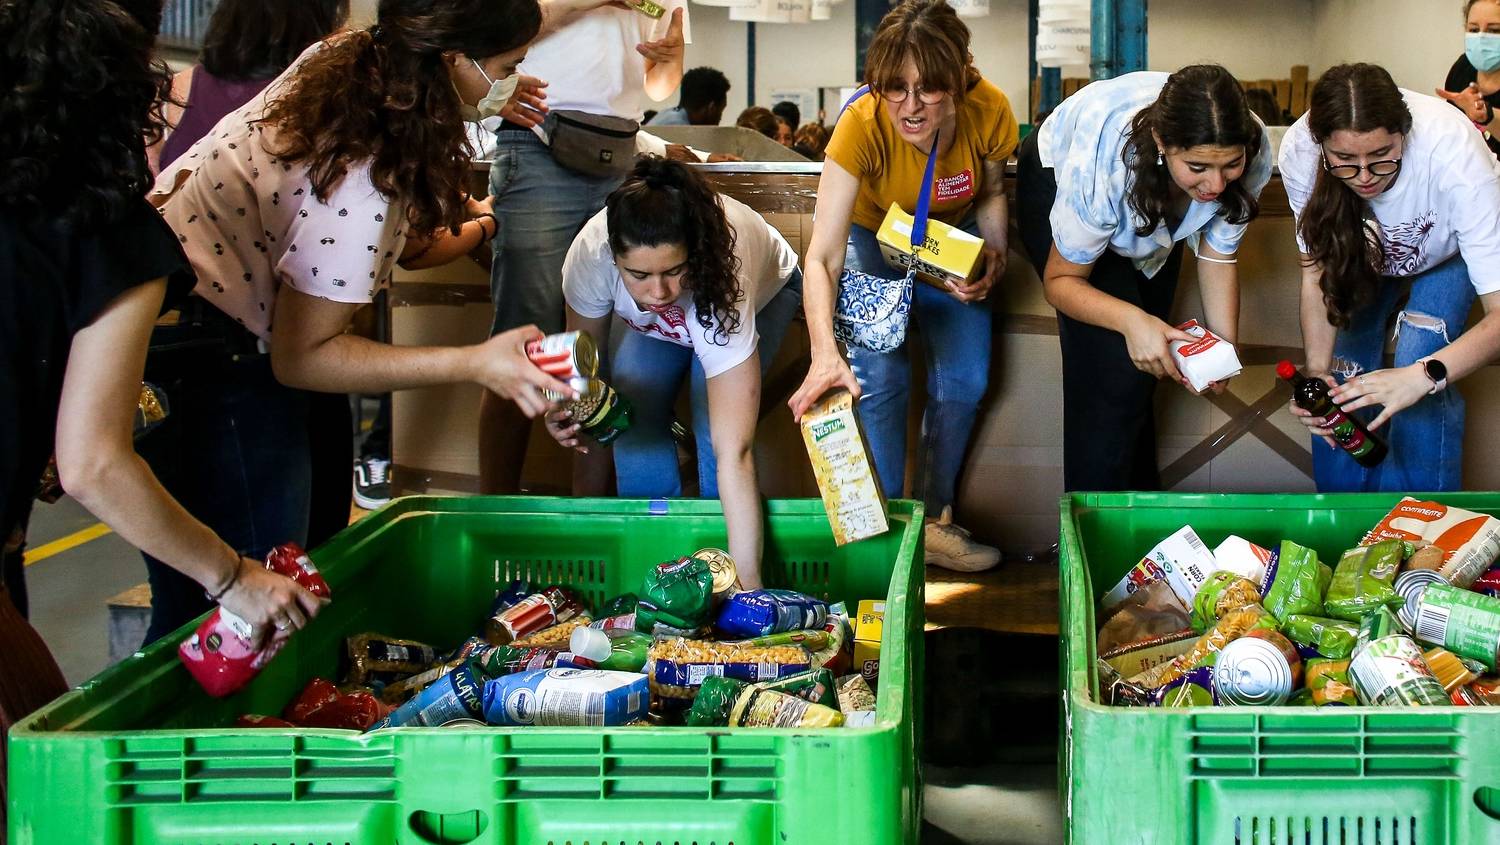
(1473, 83)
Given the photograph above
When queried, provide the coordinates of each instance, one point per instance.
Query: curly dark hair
(258, 39)
(78, 105)
(666, 202)
(385, 95)
(1359, 98)
(1200, 104)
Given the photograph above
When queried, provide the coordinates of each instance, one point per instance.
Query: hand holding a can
(564, 429)
(502, 366)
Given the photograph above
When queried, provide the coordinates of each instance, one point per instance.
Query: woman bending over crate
(709, 288)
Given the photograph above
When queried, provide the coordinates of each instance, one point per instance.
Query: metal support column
(1118, 38)
(750, 63)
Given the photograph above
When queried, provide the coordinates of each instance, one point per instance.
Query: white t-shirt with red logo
(594, 287)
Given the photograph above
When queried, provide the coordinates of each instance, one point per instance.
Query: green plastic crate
(1256, 776)
(123, 757)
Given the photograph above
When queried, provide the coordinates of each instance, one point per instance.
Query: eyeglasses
(1388, 167)
(897, 96)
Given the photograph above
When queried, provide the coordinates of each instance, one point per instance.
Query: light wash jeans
(540, 206)
(649, 372)
(956, 340)
(1426, 440)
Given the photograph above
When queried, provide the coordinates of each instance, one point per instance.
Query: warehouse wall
(1256, 39)
(1416, 40)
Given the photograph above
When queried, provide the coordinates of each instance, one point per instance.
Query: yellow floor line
(77, 538)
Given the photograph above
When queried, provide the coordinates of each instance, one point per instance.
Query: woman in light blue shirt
(1110, 185)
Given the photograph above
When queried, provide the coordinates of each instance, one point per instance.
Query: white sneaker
(950, 547)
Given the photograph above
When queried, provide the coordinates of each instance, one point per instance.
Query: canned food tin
(1252, 672)
(1410, 585)
(1465, 623)
(649, 8)
(601, 412)
(568, 355)
(1392, 672)
(726, 574)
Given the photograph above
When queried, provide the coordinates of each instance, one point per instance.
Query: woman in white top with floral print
(292, 212)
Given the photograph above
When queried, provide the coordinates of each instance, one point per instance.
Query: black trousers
(1109, 424)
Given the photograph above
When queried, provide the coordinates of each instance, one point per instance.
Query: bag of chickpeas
(677, 667)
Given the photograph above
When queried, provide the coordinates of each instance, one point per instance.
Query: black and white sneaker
(372, 483)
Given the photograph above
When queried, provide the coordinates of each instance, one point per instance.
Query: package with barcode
(1470, 541)
(1182, 560)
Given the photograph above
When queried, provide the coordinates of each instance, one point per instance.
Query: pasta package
(1235, 624)
(677, 667)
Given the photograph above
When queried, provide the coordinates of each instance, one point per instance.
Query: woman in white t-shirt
(709, 286)
(293, 211)
(1393, 191)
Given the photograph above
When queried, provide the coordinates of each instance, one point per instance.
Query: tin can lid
(1411, 585)
(1252, 671)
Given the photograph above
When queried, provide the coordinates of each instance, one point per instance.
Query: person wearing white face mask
(1473, 83)
(292, 213)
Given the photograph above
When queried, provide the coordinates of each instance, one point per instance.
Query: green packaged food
(813, 641)
(1302, 698)
(1221, 593)
(1329, 685)
(815, 685)
(1364, 580)
(1333, 638)
(1294, 582)
(677, 593)
(1377, 626)
(619, 605)
(725, 702)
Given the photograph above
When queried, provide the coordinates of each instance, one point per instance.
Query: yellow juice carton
(845, 472)
(947, 254)
(868, 625)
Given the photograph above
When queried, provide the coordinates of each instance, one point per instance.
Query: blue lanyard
(924, 196)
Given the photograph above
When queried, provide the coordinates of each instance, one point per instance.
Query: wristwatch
(1436, 372)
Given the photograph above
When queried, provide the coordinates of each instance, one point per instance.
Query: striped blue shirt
(1083, 142)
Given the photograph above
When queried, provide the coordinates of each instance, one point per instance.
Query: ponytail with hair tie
(664, 202)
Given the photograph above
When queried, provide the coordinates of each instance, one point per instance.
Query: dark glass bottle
(1311, 395)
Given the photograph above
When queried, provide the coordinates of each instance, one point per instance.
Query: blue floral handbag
(872, 312)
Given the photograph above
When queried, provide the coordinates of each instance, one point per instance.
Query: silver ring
(1361, 381)
(282, 626)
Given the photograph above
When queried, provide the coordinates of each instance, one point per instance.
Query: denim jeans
(956, 340)
(1426, 440)
(540, 206)
(649, 373)
(259, 463)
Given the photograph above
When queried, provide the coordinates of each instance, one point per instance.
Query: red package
(1488, 583)
(219, 654)
(551, 606)
(318, 693)
(254, 721)
(356, 711)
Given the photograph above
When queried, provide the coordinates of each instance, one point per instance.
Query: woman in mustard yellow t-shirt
(922, 83)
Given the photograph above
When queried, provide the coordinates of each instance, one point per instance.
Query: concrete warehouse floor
(991, 779)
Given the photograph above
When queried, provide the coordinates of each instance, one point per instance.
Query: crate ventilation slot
(1326, 830)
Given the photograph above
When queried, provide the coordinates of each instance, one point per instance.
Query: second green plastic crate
(1257, 776)
(126, 757)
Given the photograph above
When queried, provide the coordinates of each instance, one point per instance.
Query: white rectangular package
(1208, 359)
(1182, 560)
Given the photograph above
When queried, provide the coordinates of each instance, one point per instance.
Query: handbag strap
(924, 196)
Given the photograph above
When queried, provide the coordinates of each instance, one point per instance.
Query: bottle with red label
(1311, 395)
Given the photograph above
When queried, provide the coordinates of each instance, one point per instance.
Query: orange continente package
(1470, 541)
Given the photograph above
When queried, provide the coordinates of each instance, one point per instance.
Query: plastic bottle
(1311, 395)
(618, 650)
